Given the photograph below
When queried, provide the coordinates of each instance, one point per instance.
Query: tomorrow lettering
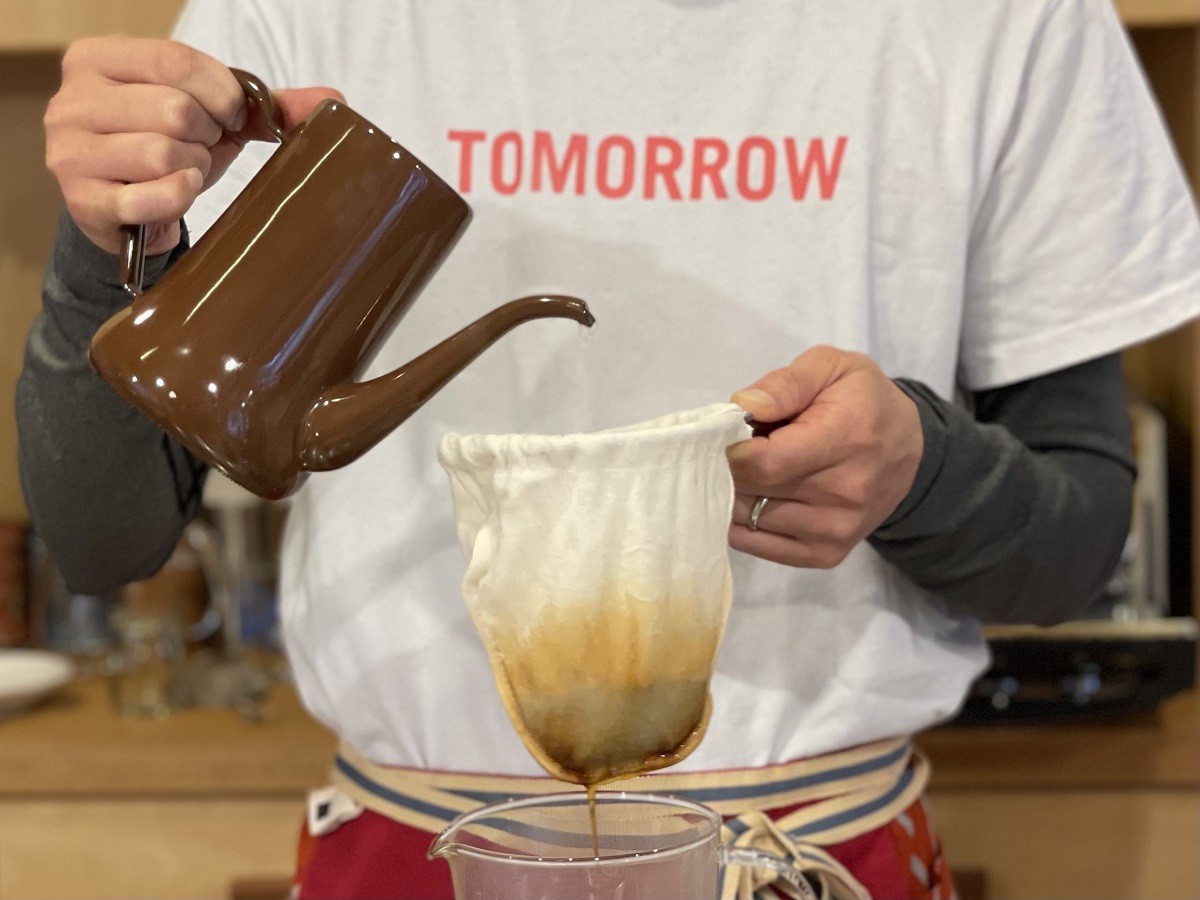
(656, 167)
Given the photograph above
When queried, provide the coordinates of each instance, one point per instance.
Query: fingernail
(753, 400)
(239, 120)
(195, 179)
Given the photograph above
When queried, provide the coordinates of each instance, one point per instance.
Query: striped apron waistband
(840, 795)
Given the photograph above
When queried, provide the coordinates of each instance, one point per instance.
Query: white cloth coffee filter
(598, 578)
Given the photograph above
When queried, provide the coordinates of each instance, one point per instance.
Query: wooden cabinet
(1165, 371)
(1074, 845)
(93, 805)
(171, 848)
(1105, 808)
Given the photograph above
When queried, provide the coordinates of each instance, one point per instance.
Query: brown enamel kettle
(247, 349)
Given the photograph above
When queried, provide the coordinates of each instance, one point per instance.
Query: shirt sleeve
(1086, 237)
(1018, 512)
(107, 490)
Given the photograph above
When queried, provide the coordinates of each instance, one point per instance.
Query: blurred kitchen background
(169, 758)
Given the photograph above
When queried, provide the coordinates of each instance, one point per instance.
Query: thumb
(294, 103)
(787, 392)
(297, 103)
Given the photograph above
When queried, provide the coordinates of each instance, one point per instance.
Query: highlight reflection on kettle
(247, 348)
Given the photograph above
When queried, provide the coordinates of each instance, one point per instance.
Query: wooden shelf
(1157, 750)
(178, 809)
(50, 25)
(1154, 13)
(77, 746)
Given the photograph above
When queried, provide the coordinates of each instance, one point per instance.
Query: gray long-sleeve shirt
(108, 492)
(1018, 512)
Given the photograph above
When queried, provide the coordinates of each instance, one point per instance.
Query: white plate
(27, 676)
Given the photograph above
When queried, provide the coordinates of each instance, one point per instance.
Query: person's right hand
(140, 127)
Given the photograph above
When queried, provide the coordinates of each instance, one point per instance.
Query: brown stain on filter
(610, 688)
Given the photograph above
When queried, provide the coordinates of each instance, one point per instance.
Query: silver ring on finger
(755, 511)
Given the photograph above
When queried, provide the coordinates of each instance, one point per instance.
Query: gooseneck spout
(348, 419)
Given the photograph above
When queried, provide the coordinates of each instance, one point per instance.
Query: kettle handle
(133, 258)
(264, 122)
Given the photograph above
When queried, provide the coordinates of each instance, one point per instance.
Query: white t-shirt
(971, 193)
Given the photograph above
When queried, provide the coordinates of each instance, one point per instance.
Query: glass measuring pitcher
(650, 847)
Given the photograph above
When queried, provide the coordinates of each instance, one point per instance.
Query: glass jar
(148, 649)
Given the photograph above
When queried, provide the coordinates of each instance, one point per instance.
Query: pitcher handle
(783, 868)
(133, 258)
(264, 122)
(203, 541)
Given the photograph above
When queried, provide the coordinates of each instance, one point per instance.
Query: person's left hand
(833, 473)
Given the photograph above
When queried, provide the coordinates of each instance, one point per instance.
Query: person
(913, 235)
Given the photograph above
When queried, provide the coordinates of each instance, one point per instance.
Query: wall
(28, 206)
